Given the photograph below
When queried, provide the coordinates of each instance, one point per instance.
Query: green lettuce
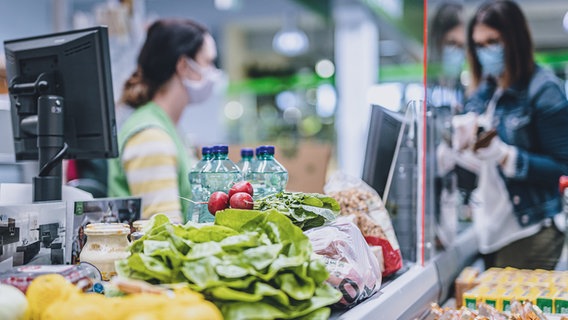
(306, 210)
(252, 264)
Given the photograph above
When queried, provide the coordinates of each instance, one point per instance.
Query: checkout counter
(409, 294)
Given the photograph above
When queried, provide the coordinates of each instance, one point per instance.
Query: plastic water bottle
(267, 175)
(196, 208)
(219, 176)
(246, 161)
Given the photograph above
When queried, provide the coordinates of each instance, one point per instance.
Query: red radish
(241, 186)
(242, 200)
(219, 200)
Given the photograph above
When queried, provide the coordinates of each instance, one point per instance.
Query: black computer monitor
(62, 102)
(385, 128)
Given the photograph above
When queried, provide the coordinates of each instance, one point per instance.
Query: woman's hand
(501, 153)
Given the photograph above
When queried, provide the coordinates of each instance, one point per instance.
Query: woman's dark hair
(166, 41)
(506, 17)
(447, 17)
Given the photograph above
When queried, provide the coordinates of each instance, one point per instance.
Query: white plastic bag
(353, 268)
(366, 209)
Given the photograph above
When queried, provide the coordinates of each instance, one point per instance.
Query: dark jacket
(533, 118)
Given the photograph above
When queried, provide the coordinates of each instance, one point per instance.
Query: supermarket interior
(284, 159)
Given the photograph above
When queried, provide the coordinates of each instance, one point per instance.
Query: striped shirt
(150, 163)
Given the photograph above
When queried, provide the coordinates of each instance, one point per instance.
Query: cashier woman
(175, 68)
(517, 216)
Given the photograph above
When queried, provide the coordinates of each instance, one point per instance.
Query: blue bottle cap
(269, 150)
(247, 152)
(265, 150)
(259, 150)
(223, 149)
(206, 150)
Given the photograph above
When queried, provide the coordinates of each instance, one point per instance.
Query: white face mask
(201, 90)
(492, 60)
(453, 58)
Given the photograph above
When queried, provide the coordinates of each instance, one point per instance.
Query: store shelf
(409, 296)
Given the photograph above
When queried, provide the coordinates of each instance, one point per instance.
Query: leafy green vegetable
(227, 218)
(224, 293)
(258, 311)
(252, 264)
(262, 257)
(269, 291)
(240, 242)
(210, 233)
(144, 264)
(296, 287)
(201, 272)
(231, 271)
(306, 210)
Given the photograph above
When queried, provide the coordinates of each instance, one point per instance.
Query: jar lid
(140, 224)
(107, 228)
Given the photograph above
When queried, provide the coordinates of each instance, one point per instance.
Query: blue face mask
(453, 58)
(492, 60)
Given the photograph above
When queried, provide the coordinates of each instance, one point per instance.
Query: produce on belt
(241, 200)
(241, 186)
(45, 290)
(306, 210)
(13, 303)
(52, 297)
(251, 264)
(219, 200)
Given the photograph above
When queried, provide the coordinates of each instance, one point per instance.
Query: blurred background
(296, 71)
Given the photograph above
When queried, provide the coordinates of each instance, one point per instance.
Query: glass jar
(106, 243)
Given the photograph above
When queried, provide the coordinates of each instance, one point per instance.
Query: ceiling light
(290, 41)
(227, 4)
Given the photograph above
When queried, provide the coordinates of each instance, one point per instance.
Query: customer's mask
(201, 90)
(453, 58)
(492, 60)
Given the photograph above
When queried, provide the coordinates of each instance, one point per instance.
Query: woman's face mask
(453, 58)
(492, 60)
(201, 90)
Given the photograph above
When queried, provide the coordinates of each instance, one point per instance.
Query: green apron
(149, 116)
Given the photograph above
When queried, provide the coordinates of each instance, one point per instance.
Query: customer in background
(517, 218)
(446, 60)
(447, 55)
(175, 68)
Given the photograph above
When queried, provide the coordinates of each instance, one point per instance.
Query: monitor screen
(62, 104)
(75, 66)
(384, 128)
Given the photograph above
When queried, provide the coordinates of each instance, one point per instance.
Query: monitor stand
(51, 148)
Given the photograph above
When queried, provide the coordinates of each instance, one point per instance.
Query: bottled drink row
(216, 172)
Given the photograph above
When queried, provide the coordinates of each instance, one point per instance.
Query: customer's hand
(464, 131)
(500, 153)
(495, 151)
